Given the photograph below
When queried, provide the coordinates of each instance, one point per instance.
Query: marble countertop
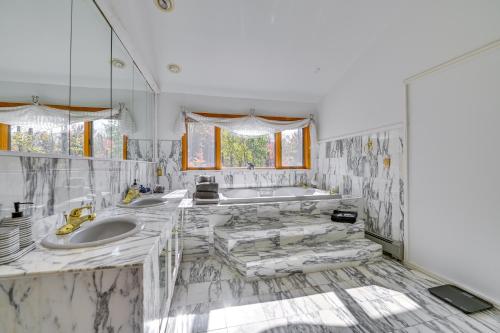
(127, 252)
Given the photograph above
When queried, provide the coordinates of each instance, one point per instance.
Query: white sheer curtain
(48, 117)
(253, 125)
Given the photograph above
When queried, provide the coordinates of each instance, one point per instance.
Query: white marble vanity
(123, 286)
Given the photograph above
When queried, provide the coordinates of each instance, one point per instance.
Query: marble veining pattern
(292, 259)
(140, 150)
(201, 221)
(380, 297)
(62, 302)
(132, 250)
(110, 288)
(370, 166)
(297, 230)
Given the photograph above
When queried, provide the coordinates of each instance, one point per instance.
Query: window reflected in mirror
(72, 90)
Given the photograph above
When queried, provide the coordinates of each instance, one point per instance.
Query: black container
(344, 216)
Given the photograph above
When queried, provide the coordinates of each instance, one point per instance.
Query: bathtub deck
(266, 234)
(304, 258)
(295, 244)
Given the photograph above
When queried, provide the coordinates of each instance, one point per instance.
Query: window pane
(116, 140)
(39, 139)
(76, 138)
(101, 138)
(201, 145)
(292, 148)
(237, 151)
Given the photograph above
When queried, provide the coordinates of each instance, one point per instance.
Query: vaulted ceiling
(270, 49)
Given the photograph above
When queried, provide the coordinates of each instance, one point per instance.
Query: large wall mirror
(68, 86)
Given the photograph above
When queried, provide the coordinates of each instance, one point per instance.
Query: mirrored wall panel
(140, 142)
(35, 76)
(70, 87)
(90, 99)
(122, 96)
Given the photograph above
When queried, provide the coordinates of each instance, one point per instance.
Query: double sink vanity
(113, 274)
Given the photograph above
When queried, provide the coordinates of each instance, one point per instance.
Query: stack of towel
(207, 190)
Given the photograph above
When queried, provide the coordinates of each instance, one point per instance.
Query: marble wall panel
(140, 150)
(370, 166)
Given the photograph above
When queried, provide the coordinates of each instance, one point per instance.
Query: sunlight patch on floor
(379, 302)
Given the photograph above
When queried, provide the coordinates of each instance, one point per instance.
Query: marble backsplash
(174, 178)
(57, 185)
(369, 166)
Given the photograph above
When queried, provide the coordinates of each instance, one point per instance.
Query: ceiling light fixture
(118, 63)
(165, 5)
(174, 68)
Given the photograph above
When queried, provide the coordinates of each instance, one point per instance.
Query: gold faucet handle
(77, 212)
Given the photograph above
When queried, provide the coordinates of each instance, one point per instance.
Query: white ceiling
(270, 49)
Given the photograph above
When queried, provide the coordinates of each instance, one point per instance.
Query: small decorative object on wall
(369, 145)
(159, 171)
(387, 162)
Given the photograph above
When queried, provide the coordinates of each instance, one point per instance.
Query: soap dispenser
(19, 213)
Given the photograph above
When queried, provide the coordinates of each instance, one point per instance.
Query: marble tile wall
(369, 166)
(57, 185)
(174, 178)
(140, 150)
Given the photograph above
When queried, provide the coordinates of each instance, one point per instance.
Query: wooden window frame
(306, 145)
(87, 128)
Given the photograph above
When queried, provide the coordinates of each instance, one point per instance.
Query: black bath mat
(460, 298)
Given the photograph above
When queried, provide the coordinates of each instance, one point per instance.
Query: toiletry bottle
(17, 212)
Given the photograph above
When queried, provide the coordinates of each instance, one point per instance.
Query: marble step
(302, 258)
(287, 231)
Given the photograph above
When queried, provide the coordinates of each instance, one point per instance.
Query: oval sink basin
(144, 203)
(96, 233)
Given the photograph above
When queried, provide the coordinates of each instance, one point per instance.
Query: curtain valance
(252, 125)
(47, 117)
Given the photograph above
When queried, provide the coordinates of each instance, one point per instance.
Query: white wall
(454, 220)
(428, 32)
(170, 105)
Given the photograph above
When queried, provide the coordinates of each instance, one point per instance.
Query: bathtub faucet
(250, 166)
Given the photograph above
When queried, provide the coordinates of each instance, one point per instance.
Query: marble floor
(380, 297)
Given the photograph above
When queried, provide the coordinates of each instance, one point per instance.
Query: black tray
(344, 216)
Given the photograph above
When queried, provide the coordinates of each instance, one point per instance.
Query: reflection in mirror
(37, 66)
(122, 96)
(56, 94)
(91, 124)
(140, 143)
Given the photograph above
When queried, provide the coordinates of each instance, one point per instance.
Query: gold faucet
(132, 194)
(75, 219)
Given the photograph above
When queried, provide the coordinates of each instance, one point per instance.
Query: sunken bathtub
(272, 194)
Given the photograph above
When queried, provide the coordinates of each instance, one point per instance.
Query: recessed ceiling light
(174, 68)
(118, 63)
(165, 5)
